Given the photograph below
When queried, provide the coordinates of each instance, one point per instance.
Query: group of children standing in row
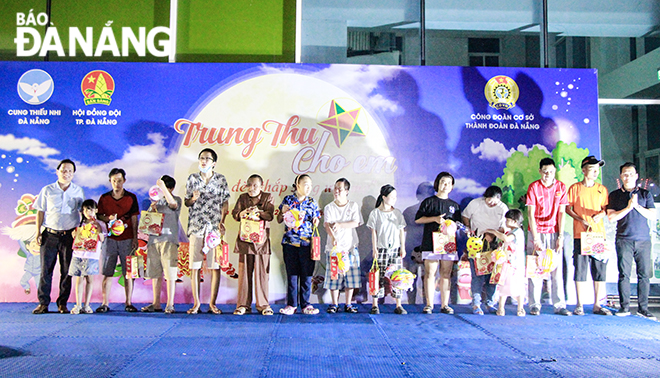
(207, 197)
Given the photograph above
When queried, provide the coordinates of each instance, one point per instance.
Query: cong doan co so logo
(501, 92)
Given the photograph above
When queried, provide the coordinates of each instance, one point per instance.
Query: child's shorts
(161, 256)
(81, 267)
(350, 279)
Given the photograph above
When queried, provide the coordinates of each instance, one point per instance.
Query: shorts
(350, 279)
(81, 267)
(114, 249)
(584, 262)
(197, 256)
(161, 255)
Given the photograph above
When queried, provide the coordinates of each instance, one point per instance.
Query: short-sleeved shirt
(587, 202)
(483, 217)
(170, 230)
(205, 214)
(432, 207)
(301, 236)
(547, 202)
(634, 226)
(125, 208)
(264, 202)
(61, 208)
(347, 239)
(388, 225)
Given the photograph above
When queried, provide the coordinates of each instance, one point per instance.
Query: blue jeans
(299, 270)
(477, 285)
(626, 251)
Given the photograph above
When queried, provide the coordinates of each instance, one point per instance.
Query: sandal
(288, 310)
(310, 310)
(374, 310)
(239, 311)
(151, 308)
(500, 313)
(267, 311)
(130, 308)
(521, 312)
(193, 311)
(214, 310)
(169, 310)
(350, 309)
(103, 309)
(427, 310)
(603, 311)
(332, 309)
(447, 310)
(579, 311)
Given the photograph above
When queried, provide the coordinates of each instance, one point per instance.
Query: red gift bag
(483, 263)
(222, 254)
(374, 278)
(334, 268)
(316, 245)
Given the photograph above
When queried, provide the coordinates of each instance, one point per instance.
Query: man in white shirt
(58, 211)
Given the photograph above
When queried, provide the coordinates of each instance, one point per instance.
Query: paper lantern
(474, 245)
(155, 193)
(116, 227)
(402, 279)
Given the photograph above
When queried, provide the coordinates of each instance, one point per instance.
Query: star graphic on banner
(91, 79)
(342, 123)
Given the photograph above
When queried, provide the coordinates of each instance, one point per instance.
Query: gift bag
(532, 269)
(500, 273)
(334, 268)
(443, 244)
(134, 266)
(87, 238)
(592, 243)
(222, 254)
(316, 245)
(151, 223)
(483, 263)
(374, 278)
(252, 231)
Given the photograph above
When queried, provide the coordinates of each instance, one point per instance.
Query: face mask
(205, 170)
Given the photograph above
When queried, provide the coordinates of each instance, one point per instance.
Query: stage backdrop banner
(373, 125)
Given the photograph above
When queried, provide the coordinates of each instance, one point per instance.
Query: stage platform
(121, 344)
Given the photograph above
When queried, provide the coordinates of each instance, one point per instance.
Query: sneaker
(646, 314)
(427, 310)
(350, 309)
(535, 311)
(87, 310)
(374, 310)
(623, 312)
(447, 310)
(579, 311)
(75, 310)
(332, 309)
(477, 310)
(400, 310)
(563, 311)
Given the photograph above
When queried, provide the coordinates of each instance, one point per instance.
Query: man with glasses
(207, 196)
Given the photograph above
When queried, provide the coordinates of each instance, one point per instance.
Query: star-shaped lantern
(342, 123)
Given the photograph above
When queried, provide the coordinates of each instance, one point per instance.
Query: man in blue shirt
(632, 207)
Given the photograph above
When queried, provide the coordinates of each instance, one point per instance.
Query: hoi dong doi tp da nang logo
(97, 87)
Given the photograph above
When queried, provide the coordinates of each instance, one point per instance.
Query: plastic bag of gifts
(252, 229)
(400, 279)
(540, 265)
(444, 240)
(340, 262)
(294, 218)
(87, 238)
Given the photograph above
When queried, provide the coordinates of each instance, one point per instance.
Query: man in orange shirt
(587, 205)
